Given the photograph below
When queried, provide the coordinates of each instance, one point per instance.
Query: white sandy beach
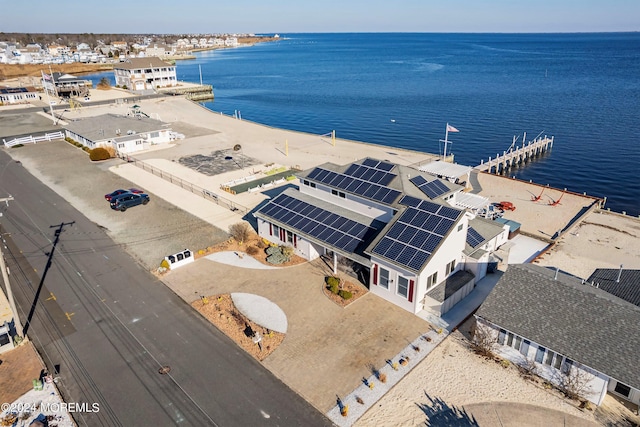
(459, 377)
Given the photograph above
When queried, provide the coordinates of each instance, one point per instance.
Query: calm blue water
(584, 89)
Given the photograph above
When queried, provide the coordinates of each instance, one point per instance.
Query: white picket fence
(33, 139)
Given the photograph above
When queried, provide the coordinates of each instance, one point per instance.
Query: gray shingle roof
(106, 126)
(577, 320)
(136, 63)
(628, 288)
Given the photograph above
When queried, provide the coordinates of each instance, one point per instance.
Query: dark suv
(128, 200)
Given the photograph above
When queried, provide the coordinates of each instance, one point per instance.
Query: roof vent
(619, 274)
(131, 132)
(555, 277)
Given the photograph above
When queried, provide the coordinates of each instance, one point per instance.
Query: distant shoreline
(18, 71)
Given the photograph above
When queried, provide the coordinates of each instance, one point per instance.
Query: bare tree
(574, 382)
(240, 231)
(528, 368)
(484, 339)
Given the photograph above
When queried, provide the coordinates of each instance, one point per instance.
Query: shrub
(276, 258)
(344, 294)
(240, 231)
(287, 251)
(271, 250)
(262, 243)
(252, 250)
(98, 154)
(333, 283)
(111, 151)
(88, 150)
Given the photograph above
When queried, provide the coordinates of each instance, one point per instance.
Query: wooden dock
(518, 155)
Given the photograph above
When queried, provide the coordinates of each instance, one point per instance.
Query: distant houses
(573, 332)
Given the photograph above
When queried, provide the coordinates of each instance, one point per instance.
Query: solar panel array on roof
(370, 174)
(328, 227)
(417, 233)
(9, 90)
(432, 189)
(376, 164)
(370, 190)
(473, 237)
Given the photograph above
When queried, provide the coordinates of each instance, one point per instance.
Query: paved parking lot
(149, 233)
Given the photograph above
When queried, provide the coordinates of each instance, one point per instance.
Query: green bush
(345, 294)
(276, 258)
(98, 154)
(333, 283)
(272, 250)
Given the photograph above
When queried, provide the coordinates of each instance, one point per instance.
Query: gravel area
(148, 233)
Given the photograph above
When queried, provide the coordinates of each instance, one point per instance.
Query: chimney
(619, 274)
(555, 277)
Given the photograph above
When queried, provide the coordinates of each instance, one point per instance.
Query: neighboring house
(18, 95)
(126, 134)
(622, 283)
(566, 326)
(392, 224)
(145, 74)
(65, 85)
(158, 50)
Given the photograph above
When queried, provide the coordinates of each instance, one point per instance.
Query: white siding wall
(391, 294)
(633, 397)
(450, 250)
(304, 248)
(597, 381)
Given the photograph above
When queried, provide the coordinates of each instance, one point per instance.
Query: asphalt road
(110, 326)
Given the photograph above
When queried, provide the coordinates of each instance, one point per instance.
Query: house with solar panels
(18, 95)
(397, 228)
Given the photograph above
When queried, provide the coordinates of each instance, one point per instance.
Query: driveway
(328, 349)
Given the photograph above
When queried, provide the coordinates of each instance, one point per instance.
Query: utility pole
(5, 278)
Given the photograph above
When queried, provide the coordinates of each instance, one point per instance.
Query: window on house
(557, 363)
(622, 389)
(384, 278)
(289, 237)
(501, 335)
(517, 342)
(4, 339)
(451, 266)
(341, 194)
(275, 231)
(432, 280)
(312, 184)
(403, 286)
(305, 182)
(549, 358)
(524, 348)
(540, 354)
(334, 192)
(460, 227)
(509, 339)
(566, 366)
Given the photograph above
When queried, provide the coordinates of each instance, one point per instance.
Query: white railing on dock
(33, 139)
(519, 155)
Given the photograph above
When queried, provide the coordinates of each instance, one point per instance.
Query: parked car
(128, 200)
(121, 191)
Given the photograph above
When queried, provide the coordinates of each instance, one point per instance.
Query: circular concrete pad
(261, 310)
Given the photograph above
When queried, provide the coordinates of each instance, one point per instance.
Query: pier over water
(519, 155)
